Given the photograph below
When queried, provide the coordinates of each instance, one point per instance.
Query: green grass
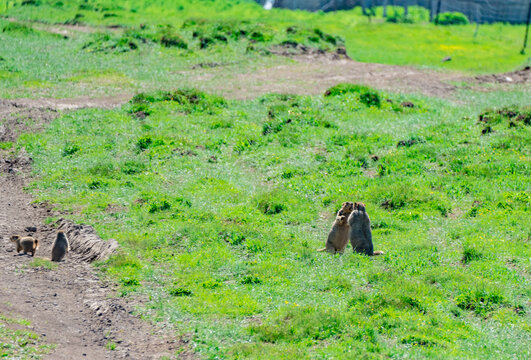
(18, 342)
(495, 48)
(220, 206)
(43, 263)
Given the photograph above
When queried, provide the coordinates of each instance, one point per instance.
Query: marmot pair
(352, 223)
(29, 244)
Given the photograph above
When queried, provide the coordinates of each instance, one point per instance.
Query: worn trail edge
(69, 306)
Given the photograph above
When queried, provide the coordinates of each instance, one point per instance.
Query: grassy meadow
(219, 204)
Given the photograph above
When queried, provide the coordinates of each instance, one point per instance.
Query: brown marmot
(27, 243)
(60, 246)
(360, 233)
(338, 236)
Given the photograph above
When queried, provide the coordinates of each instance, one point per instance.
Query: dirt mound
(85, 243)
(515, 77)
(294, 49)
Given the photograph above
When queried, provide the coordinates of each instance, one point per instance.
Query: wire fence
(480, 11)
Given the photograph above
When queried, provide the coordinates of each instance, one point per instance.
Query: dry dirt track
(68, 306)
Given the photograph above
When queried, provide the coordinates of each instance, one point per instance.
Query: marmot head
(14, 238)
(359, 206)
(341, 220)
(346, 208)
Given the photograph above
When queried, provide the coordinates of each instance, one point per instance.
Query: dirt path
(313, 76)
(67, 306)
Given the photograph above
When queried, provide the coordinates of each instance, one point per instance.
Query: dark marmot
(338, 236)
(60, 246)
(26, 244)
(360, 233)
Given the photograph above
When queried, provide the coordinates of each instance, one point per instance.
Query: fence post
(526, 29)
(437, 12)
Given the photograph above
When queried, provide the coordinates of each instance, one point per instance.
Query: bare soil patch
(521, 76)
(68, 306)
(311, 75)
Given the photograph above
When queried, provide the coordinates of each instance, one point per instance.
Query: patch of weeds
(146, 142)
(480, 302)
(418, 340)
(243, 144)
(132, 167)
(110, 43)
(249, 279)
(297, 323)
(470, 254)
(97, 184)
(232, 238)
(370, 98)
(179, 291)
(111, 345)
(14, 27)
(346, 88)
(159, 205)
(43, 263)
(129, 281)
(211, 284)
(413, 140)
(512, 117)
(271, 207)
(190, 100)
(70, 149)
(6, 145)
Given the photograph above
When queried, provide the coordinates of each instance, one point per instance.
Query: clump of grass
(470, 254)
(179, 291)
(110, 43)
(190, 100)
(43, 263)
(413, 140)
(14, 27)
(297, 323)
(70, 149)
(418, 340)
(481, 302)
(250, 279)
(6, 145)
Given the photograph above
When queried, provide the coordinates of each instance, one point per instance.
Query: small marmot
(60, 246)
(27, 243)
(338, 236)
(360, 233)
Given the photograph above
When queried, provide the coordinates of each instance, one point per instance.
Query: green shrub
(451, 18)
(399, 19)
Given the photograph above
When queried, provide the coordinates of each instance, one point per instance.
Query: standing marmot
(27, 243)
(60, 246)
(338, 236)
(360, 233)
